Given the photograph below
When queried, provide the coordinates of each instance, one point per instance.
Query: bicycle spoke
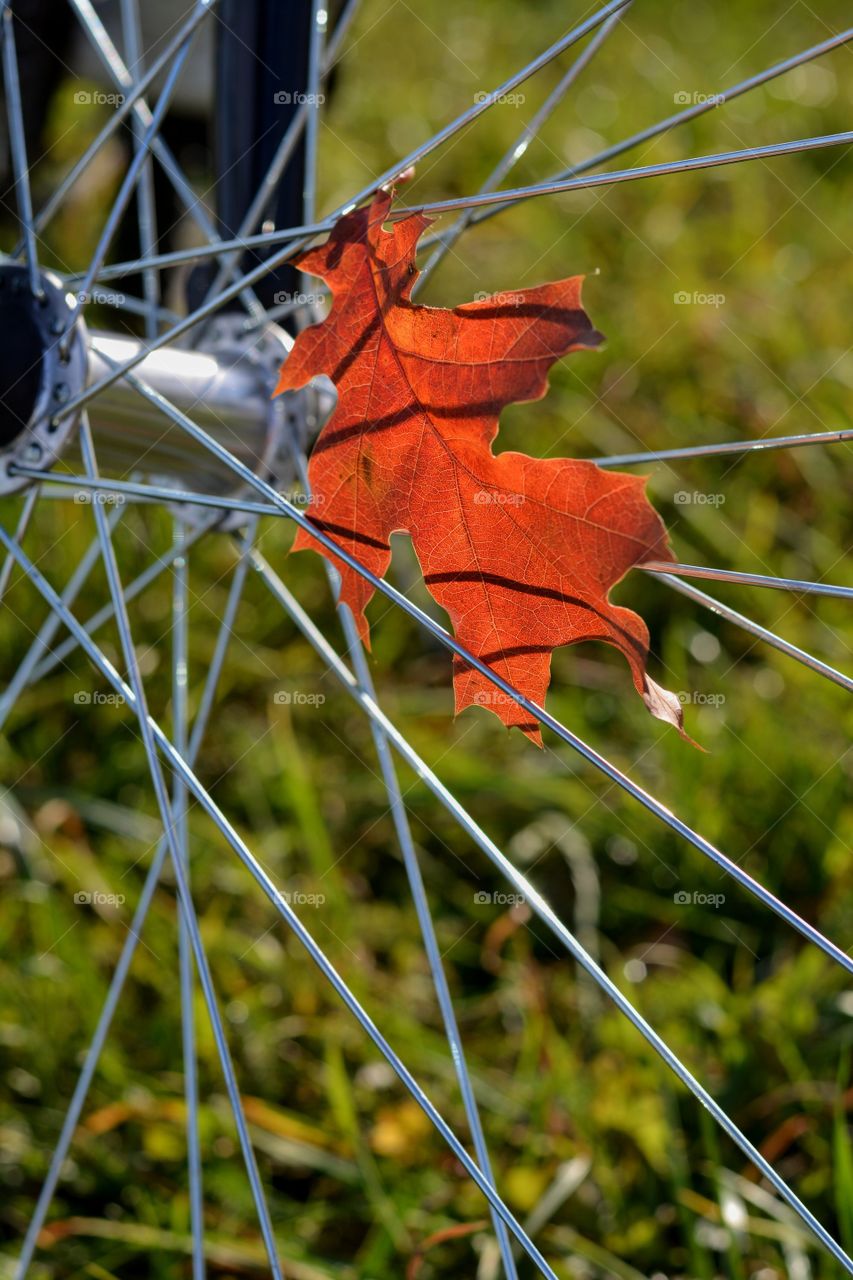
(121, 77)
(674, 120)
(129, 181)
(615, 176)
(186, 975)
(419, 897)
(90, 1063)
(145, 206)
(131, 99)
(534, 899)
(538, 713)
(521, 144)
(49, 628)
(128, 950)
(746, 579)
(187, 907)
(200, 253)
(730, 446)
(278, 164)
(177, 763)
(131, 591)
(754, 628)
(116, 987)
(18, 146)
(30, 501)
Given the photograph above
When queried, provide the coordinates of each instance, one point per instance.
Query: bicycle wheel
(168, 454)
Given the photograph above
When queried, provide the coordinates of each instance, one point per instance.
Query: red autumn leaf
(522, 552)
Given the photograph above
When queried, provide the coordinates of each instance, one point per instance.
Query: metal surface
(228, 386)
(35, 379)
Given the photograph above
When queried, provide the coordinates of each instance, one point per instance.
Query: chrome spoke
(187, 908)
(414, 875)
(543, 717)
(145, 206)
(178, 764)
(116, 987)
(23, 524)
(677, 118)
(760, 445)
(614, 176)
(134, 93)
(746, 579)
(201, 253)
(41, 643)
(128, 184)
(534, 899)
(279, 163)
(521, 144)
(119, 74)
(754, 628)
(131, 591)
(146, 493)
(17, 140)
(186, 974)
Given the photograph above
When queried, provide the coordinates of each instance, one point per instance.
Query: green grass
(357, 1179)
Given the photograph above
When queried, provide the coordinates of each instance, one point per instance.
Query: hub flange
(36, 377)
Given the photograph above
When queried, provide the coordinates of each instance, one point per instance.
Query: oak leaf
(521, 552)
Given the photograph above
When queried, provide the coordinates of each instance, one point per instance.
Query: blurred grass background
(572, 1097)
